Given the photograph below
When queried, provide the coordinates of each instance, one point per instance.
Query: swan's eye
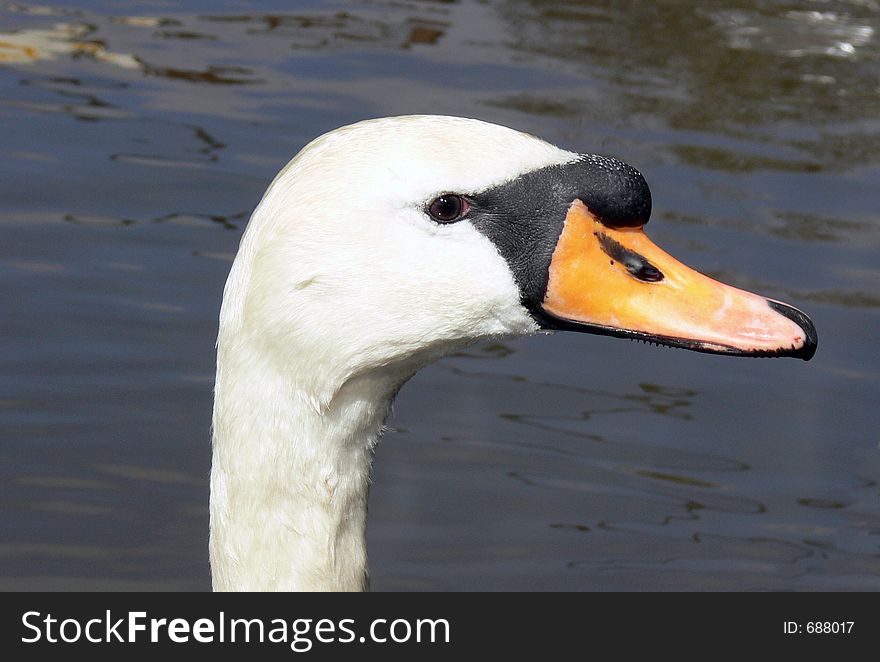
(448, 208)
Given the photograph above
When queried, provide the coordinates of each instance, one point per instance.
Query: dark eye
(448, 208)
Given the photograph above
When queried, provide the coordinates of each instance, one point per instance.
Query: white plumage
(342, 289)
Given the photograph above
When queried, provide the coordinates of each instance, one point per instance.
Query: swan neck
(290, 479)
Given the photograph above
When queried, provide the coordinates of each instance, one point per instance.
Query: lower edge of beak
(805, 352)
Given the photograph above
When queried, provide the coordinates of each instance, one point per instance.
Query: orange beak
(618, 282)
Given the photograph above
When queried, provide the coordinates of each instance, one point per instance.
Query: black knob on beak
(614, 191)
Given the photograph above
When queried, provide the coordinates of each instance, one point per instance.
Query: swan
(379, 248)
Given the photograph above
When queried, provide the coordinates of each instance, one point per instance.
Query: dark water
(137, 137)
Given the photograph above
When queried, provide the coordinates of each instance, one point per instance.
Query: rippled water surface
(138, 136)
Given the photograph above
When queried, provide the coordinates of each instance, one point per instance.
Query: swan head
(387, 243)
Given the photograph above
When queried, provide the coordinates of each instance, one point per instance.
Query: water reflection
(795, 33)
(339, 30)
(653, 398)
(37, 10)
(809, 227)
(212, 75)
(729, 72)
(65, 39)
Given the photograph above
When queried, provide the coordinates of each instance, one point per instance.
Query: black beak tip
(812, 339)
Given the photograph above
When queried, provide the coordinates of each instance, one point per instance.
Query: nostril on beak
(811, 338)
(615, 192)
